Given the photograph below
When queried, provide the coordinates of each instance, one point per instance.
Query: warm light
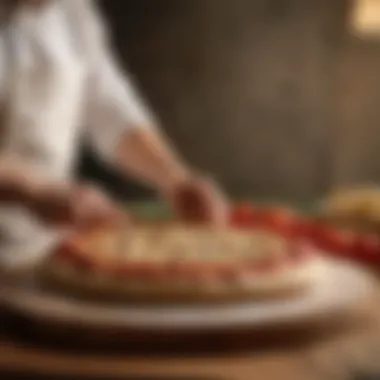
(365, 19)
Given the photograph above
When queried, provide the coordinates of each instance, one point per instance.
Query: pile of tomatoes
(333, 240)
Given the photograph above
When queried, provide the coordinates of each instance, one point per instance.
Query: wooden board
(115, 324)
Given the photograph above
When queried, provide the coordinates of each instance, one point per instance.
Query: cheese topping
(160, 244)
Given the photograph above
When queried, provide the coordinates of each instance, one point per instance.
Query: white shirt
(59, 81)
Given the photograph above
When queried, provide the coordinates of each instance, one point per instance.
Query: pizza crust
(62, 276)
(237, 251)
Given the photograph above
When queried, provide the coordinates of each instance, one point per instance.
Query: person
(72, 206)
(59, 81)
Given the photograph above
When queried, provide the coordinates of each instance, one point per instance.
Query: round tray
(340, 287)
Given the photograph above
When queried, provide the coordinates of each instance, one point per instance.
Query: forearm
(147, 156)
(113, 104)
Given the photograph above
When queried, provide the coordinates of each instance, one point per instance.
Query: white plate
(339, 288)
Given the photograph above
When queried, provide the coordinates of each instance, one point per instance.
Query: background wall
(357, 156)
(269, 95)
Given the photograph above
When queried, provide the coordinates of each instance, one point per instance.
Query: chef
(59, 82)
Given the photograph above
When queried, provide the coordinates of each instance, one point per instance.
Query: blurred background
(272, 97)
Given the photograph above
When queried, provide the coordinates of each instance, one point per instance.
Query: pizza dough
(182, 263)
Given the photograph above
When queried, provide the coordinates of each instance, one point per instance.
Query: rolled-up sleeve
(112, 103)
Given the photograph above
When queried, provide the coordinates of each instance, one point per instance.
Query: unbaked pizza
(182, 263)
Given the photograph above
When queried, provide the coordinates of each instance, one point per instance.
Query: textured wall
(357, 137)
(244, 87)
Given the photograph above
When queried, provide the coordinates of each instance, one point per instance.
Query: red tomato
(367, 248)
(281, 221)
(303, 228)
(243, 215)
(334, 240)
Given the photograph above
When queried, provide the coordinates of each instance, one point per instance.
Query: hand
(93, 208)
(200, 200)
(76, 206)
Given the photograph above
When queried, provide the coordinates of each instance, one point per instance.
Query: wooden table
(334, 356)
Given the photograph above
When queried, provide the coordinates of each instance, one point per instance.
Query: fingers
(83, 207)
(79, 207)
(94, 208)
(54, 204)
(186, 202)
(200, 200)
(214, 202)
